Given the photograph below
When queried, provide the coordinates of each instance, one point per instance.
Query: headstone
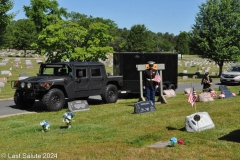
(78, 105)
(4, 80)
(187, 91)
(213, 73)
(198, 122)
(169, 93)
(144, 106)
(223, 87)
(28, 63)
(29, 67)
(184, 77)
(5, 72)
(194, 76)
(4, 61)
(227, 93)
(2, 84)
(23, 75)
(205, 97)
(39, 61)
(2, 64)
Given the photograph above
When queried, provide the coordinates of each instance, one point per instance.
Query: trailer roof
(79, 63)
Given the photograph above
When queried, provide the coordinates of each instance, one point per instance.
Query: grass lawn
(112, 131)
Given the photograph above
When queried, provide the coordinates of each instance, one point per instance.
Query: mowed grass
(112, 131)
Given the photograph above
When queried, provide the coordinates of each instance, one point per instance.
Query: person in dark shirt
(206, 82)
(149, 82)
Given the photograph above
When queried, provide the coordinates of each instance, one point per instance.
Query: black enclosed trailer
(124, 64)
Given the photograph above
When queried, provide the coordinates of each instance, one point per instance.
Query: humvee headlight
(29, 85)
(22, 84)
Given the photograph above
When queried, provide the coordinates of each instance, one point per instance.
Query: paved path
(8, 108)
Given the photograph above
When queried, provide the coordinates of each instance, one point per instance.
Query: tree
(24, 33)
(182, 44)
(216, 31)
(75, 42)
(8, 35)
(5, 6)
(140, 39)
(42, 12)
(86, 21)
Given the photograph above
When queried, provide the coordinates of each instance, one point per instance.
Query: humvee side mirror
(80, 74)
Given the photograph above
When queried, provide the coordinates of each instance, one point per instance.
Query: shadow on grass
(232, 136)
(39, 107)
(173, 128)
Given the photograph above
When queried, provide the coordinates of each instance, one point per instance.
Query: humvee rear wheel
(111, 94)
(54, 100)
(21, 102)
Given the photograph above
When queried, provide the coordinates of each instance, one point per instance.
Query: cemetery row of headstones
(5, 74)
(15, 53)
(202, 66)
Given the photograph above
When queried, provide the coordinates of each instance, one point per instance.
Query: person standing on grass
(149, 83)
(206, 82)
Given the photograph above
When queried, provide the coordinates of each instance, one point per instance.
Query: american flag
(192, 97)
(157, 78)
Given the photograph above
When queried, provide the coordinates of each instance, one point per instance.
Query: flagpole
(195, 106)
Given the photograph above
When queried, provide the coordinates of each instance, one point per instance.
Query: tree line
(49, 28)
(74, 36)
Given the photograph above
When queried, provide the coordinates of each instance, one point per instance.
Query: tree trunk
(220, 64)
(25, 53)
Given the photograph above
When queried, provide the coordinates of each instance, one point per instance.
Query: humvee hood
(42, 79)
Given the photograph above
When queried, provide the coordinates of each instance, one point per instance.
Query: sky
(172, 16)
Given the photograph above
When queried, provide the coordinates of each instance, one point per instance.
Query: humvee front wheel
(21, 102)
(111, 94)
(54, 100)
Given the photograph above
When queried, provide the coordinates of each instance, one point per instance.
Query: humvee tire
(21, 102)
(54, 100)
(111, 94)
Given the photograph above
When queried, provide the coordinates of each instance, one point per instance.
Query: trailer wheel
(110, 94)
(164, 87)
(54, 100)
(171, 86)
(21, 102)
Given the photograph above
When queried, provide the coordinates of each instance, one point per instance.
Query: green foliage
(182, 44)
(75, 42)
(216, 32)
(25, 30)
(41, 11)
(62, 37)
(8, 35)
(139, 39)
(5, 6)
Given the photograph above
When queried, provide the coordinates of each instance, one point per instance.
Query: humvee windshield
(55, 70)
